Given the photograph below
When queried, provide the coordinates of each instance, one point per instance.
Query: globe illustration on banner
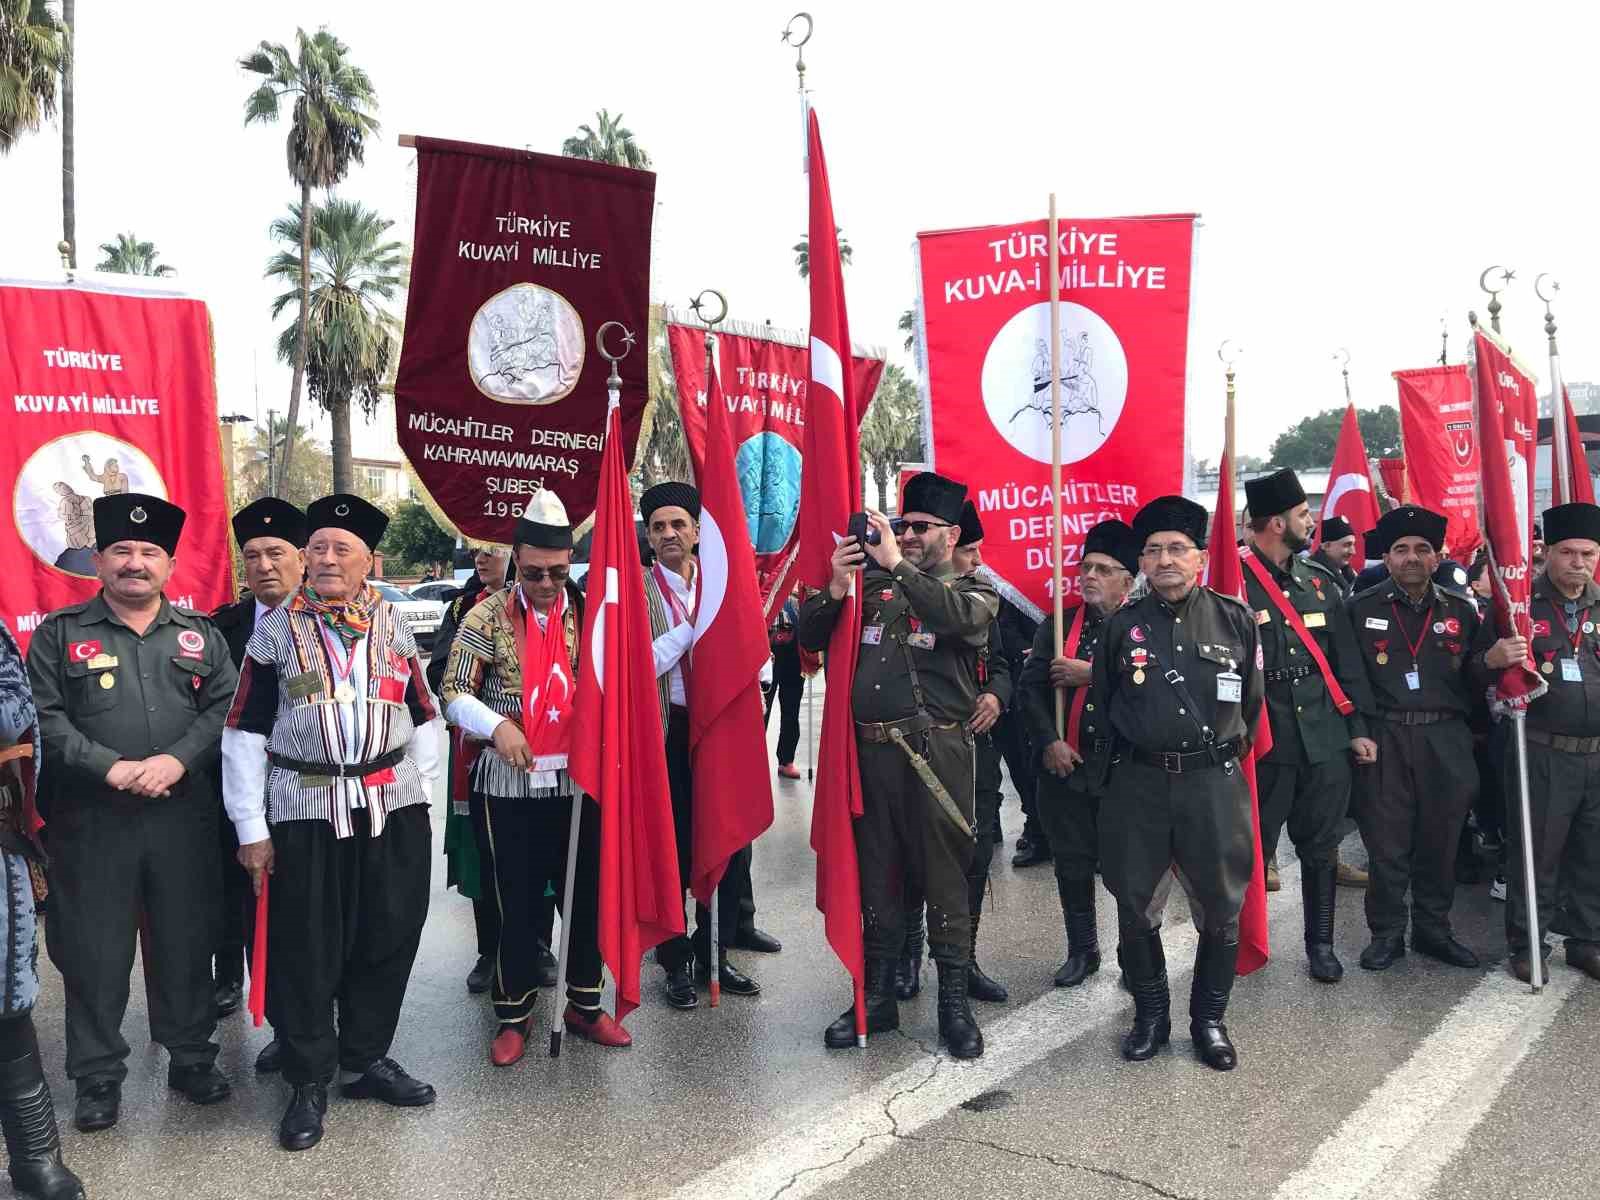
(1094, 381)
(769, 480)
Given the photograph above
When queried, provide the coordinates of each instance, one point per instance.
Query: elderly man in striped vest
(327, 762)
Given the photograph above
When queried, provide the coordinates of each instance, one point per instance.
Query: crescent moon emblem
(1342, 487)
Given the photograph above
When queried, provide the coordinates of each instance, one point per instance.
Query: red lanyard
(341, 669)
(1575, 634)
(1427, 619)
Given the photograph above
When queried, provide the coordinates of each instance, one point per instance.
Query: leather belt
(1417, 716)
(1564, 742)
(337, 770)
(1279, 674)
(1175, 763)
(883, 731)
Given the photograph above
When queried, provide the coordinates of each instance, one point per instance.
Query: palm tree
(893, 412)
(665, 453)
(332, 120)
(129, 256)
(908, 326)
(613, 143)
(312, 475)
(349, 336)
(33, 49)
(802, 252)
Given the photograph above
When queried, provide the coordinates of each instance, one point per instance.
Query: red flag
(1393, 471)
(1225, 574)
(618, 752)
(1350, 493)
(1508, 413)
(1581, 489)
(1442, 451)
(830, 490)
(727, 733)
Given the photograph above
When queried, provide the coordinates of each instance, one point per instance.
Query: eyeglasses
(1108, 569)
(537, 574)
(920, 528)
(1173, 550)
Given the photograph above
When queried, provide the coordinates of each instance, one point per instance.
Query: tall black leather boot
(1318, 889)
(908, 968)
(883, 1014)
(1083, 937)
(958, 1028)
(1215, 961)
(979, 985)
(1144, 967)
(32, 1140)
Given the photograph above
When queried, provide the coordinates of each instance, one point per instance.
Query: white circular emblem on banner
(525, 346)
(52, 502)
(1094, 381)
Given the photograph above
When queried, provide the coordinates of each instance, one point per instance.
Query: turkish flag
(727, 730)
(1508, 414)
(1349, 493)
(618, 753)
(830, 491)
(1581, 489)
(1225, 574)
(1393, 471)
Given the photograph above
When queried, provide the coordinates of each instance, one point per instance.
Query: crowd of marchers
(178, 779)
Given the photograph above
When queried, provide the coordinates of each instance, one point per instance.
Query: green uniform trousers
(1564, 798)
(907, 842)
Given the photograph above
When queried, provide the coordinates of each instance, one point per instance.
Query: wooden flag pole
(1055, 448)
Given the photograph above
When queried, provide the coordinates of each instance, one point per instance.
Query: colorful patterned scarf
(348, 619)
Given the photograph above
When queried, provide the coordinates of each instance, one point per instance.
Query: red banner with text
(763, 385)
(110, 391)
(1441, 451)
(985, 316)
(518, 259)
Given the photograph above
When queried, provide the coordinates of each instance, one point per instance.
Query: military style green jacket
(105, 693)
(933, 621)
(1306, 727)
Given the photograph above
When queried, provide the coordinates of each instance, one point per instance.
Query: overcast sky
(1355, 166)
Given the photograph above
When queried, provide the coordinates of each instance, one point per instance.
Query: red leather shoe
(602, 1031)
(509, 1045)
(788, 771)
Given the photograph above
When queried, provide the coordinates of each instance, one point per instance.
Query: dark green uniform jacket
(1571, 706)
(1450, 643)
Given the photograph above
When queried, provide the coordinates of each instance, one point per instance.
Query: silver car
(422, 615)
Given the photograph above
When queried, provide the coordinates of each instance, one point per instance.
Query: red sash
(1293, 621)
(1069, 649)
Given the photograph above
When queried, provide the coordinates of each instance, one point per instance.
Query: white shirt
(671, 646)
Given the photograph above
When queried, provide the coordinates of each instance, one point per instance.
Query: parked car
(422, 615)
(435, 589)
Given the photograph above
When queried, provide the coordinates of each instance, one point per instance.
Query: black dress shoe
(758, 940)
(481, 976)
(735, 982)
(1212, 1045)
(680, 988)
(1031, 855)
(301, 1127)
(1383, 952)
(1522, 966)
(98, 1105)
(387, 1080)
(229, 996)
(200, 1082)
(1446, 950)
(1583, 956)
(546, 967)
(271, 1058)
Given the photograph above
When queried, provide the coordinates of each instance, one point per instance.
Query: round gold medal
(1549, 668)
(108, 681)
(1383, 658)
(1138, 676)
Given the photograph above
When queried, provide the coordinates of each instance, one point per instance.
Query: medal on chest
(1382, 657)
(1140, 658)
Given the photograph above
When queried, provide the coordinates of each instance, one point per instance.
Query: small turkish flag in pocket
(392, 689)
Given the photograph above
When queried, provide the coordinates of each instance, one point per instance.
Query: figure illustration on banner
(1080, 395)
(525, 345)
(1094, 381)
(111, 479)
(55, 518)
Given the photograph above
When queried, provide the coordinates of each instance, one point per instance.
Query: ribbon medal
(1382, 647)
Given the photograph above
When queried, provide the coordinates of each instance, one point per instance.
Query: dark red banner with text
(518, 259)
(105, 392)
(985, 317)
(1441, 451)
(763, 385)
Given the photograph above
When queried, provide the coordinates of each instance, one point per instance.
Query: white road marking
(844, 1136)
(1401, 1138)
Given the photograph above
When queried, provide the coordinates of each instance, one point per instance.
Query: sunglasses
(537, 574)
(920, 528)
